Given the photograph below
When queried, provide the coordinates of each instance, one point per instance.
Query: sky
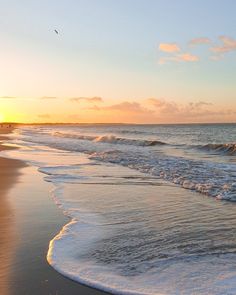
(121, 61)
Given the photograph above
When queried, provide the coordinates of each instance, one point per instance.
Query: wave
(213, 179)
(136, 132)
(139, 142)
(204, 176)
(99, 244)
(225, 148)
(73, 136)
(110, 139)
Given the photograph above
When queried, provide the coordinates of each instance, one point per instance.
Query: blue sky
(111, 49)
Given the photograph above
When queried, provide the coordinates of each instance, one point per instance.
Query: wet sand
(9, 172)
(29, 219)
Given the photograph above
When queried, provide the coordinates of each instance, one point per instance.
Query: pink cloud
(228, 44)
(199, 41)
(125, 107)
(184, 57)
(154, 110)
(169, 47)
(131, 107)
(163, 105)
(188, 57)
(170, 107)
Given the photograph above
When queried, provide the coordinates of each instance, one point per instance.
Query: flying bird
(56, 31)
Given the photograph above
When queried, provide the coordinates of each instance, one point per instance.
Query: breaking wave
(225, 148)
(110, 139)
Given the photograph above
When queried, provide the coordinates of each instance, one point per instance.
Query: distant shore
(26, 231)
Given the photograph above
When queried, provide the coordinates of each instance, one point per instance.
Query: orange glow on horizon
(1, 118)
(51, 109)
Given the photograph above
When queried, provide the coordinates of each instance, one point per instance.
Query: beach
(27, 225)
(120, 208)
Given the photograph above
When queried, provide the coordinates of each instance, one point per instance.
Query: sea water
(151, 206)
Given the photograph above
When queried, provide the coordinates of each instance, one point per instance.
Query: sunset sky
(131, 61)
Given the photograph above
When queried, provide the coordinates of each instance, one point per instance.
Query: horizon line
(111, 123)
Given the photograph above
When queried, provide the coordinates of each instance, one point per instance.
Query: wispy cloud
(48, 97)
(131, 107)
(87, 99)
(169, 47)
(124, 107)
(162, 110)
(173, 108)
(200, 104)
(175, 54)
(184, 57)
(228, 44)
(199, 41)
(163, 105)
(7, 97)
(188, 57)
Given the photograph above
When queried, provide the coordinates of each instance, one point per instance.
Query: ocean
(151, 207)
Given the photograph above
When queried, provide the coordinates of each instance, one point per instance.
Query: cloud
(44, 116)
(199, 41)
(200, 104)
(228, 44)
(163, 105)
(169, 47)
(162, 110)
(8, 97)
(184, 57)
(48, 97)
(88, 99)
(155, 110)
(131, 107)
(124, 107)
(176, 55)
(188, 57)
(192, 109)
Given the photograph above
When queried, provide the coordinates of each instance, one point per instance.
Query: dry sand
(25, 236)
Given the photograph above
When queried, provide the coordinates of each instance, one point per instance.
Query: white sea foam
(141, 244)
(202, 175)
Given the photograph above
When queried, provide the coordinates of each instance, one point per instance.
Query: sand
(26, 226)
(9, 172)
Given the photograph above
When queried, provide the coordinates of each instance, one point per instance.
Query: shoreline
(26, 235)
